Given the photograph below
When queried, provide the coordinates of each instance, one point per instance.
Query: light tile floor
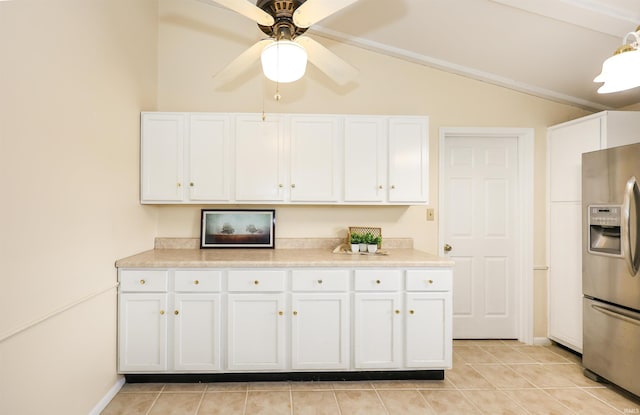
(488, 377)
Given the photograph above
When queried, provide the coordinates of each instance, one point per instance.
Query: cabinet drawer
(378, 280)
(198, 280)
(143, 280)
(429, 280)
(256, 280)
(320, 280)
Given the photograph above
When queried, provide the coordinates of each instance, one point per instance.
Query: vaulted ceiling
(548, 48)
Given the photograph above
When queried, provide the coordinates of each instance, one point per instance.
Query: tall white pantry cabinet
(565, 144)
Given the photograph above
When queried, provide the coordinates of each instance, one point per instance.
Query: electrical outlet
(431, 214)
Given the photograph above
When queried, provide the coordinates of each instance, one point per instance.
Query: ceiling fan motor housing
(282, 13)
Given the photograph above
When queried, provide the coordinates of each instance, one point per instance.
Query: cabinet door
(364, 161)
(377, 341)
(196, 334)
(319, 331)
(209, 158)
(161, 158)
(408, 159)
(315, 166)
(142, 333)
(255, 333)
(428, 330)
(259, 159)
(565, 146)
(565, 274)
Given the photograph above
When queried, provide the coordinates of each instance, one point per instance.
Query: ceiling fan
(285, 52)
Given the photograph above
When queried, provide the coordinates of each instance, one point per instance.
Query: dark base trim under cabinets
(287, 376)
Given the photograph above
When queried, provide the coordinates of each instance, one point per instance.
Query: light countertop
(183, 253)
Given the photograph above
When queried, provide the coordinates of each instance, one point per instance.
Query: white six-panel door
(480, 190)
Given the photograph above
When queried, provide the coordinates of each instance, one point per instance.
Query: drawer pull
(295, 313)
(397, 311)
(256, 282)
(196, 282)
(162, 312)
(176, 312)
(378, 281)
(411, 312)
(280, 313)
(142, 282)
(430, 281)
(319, 281)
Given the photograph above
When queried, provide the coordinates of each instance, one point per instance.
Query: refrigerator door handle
(631, 257)
(616, 314)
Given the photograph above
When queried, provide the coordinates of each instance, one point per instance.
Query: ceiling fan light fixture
(284, 61)
(622, 70)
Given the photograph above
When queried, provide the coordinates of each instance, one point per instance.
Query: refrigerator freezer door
(611, 344)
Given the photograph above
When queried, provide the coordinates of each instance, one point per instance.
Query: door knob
(447, 248)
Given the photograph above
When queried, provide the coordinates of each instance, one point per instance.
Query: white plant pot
(372, 248)
(363, 247)
(355, 248)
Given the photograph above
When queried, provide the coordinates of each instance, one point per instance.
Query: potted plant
(355, 240)
(372, 242)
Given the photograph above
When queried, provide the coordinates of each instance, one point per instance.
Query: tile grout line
(156, 399)
(380, 399)
(200, 401)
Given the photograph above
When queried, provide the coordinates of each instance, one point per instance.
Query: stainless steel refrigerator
(610, 262)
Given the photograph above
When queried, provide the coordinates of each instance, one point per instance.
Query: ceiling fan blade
(246, 9)
(312, 11)
(328, 62)
(242, 62)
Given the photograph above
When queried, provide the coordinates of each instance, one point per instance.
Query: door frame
(524, 279)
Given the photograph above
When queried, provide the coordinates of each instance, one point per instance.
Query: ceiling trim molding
(458, 69)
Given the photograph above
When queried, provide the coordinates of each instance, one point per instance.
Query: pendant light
(622, 70)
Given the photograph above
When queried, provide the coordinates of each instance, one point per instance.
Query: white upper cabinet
(161, 163)
(209, 157)
(259, 159)
(365, 140)
(284, 158)
(408, 159)
(315, 166)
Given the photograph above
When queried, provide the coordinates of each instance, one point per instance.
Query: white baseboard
(541, 341)
(108, 397)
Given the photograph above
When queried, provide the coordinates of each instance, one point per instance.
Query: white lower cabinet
(142, 332)
(320, 320)
(377, 341)
(255, 334)
(275, 320)
(176, 330)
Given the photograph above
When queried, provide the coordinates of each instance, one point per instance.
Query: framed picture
(237, 228)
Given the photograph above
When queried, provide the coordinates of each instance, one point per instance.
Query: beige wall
(74, 76)
(197, 40)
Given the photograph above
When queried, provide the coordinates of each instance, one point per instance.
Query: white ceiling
(549, 48)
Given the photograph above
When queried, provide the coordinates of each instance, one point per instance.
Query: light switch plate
(431, 214)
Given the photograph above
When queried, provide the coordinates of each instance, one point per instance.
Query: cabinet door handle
(191, 184)
(179, 184)
(176, 312)
(196, 282)
(162, 312)
(380, 187)
(142, 282)
(397, 311)
(430, 281)
(378, 281)
(280, 313)
(393, 186)
(411, 312)
(256, 282)
(293, 185)
(319, 281)
(295, 313)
